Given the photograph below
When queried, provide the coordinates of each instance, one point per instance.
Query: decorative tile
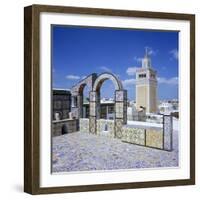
(133, 135)
(154, 138)
(119, 110)
(92, 125)
(118, 127)
(168, 128)
(84, 125)
(101, 123)
(119, 95)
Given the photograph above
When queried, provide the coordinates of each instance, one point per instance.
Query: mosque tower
(146, 86)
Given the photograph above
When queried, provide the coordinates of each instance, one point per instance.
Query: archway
(80, 99)
(86, 101)
(64, 129)
(77, 94)
(107, 105)
(120, 104)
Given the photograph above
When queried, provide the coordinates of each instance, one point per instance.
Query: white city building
(167, 108)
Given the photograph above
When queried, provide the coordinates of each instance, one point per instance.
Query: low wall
(146, 137)
(64, 126)
(154, 138)
(133, 135)
(84, 125)
(146, 134)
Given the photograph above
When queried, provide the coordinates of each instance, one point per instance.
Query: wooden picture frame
(32, 98)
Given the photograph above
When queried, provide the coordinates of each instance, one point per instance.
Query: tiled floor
(86, 152)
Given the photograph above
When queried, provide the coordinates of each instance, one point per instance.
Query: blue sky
(80, 51)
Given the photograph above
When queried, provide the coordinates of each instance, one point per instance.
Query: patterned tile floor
(85, 152)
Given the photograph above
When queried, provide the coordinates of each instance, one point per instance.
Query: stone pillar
(94, 111)
(74, 107)
(168, 132)
(120, 111)
(80, 105)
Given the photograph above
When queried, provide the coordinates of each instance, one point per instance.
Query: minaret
(146, 86)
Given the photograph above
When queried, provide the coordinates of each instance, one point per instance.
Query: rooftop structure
(61, 105)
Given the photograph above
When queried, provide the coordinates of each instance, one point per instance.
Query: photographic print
(115, 99)
(109, 99)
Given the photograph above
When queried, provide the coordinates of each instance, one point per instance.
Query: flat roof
(61, 91)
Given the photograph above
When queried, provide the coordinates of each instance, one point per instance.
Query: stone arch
(105, 76)
(77, 94)
(120, 104)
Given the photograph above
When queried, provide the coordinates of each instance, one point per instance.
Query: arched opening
(80, 96)
(106, 107)
(106, 84)
(106, 127)
(101, 126)
(80, 99)
(105, 76)
(64, 129)
(107, 100)
(83, 99)
(86, 102)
